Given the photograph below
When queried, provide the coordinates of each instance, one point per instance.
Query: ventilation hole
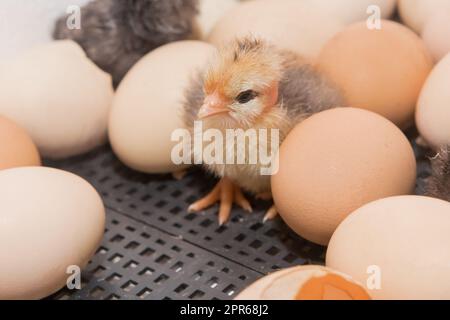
(116, 258)
(273, 251)
(160, 242)
(145, 235)
(102, 250)
(175, 210)
(146, 198)
(160, 204)
(230, 290)
(181, 288)
(144, 293)
(240, 238)
(146, 272)
(129, 285)
(256, 226)
(147, 252)
(213, 282)
(176, 249)
(117, 238)
(256, 244)
(290, 258)
(132, 245)
(131, 265)
(197, 294)
(115, 277)
(177, 266)
(197, 275)
(163, 259)
(113, 297)
(130, 228)
(161, 279)
(206, 223)
(98, 271)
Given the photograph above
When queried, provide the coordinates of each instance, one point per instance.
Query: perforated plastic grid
(154, 249)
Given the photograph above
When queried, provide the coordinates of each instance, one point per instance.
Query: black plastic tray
(154, 249)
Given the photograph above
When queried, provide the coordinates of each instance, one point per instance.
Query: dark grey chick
(116, 33)
(253, 85)
(438, 185)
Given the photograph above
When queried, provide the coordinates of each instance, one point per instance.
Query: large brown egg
(335, 162)
(290, 24)
(16, 147)
(305, 283)
(399, 246)
(379, 70)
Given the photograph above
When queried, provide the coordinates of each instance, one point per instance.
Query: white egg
(436, 35)
(290, 24)
(416, 13)
(59, 96)
(433, 108)
(211, 11)
(147, 107)
(51, 222)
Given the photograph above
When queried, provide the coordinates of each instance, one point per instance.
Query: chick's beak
(212, 105)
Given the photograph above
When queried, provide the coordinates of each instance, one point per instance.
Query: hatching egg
(433, 109)
(16, 147)
(416, 13)
(305, 283)
(379, 70)
(436, 35)
(59, 96)
(399, 246)
(211, 12)
(147, 108)
(333, 163)
(289, 24)
(51, 223)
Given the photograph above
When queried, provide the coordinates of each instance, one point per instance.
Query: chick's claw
(271, 214)
(226, 193)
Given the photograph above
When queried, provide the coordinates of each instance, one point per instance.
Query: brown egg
(335, 162)
(16, 147)
(305, 283)
(379, 70)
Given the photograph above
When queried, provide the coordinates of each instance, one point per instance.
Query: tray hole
(162, 219)
(104, 179)
(146, 197)
(145, 235)
(102, 250)
(227, 246)
(146, 272)
(226, 270)
(177, 225)
(98, 271)
(197, 275)
(207, 238)
(129, 285)
(191, 255)
(243, 278)
(160, 204)
(115, 222)
(131, 191)
(144, 293)
(176, 193)
(131, 265)
(177, 266)
(193, 232)
(117, 238)
(206, 223)
(271, 233)
(256, 244)
(241, 237)
(221, 229)
(210, 264)
(181, 288)
(176, 249)
(161, 279)
(115, 277)
(116, 258)
(118, 186)
(132, 206)
(163, 259)
(197, 294)
(230, 290)
(161, 187)
(256, 226)
(191, 217)
(132, 245)
(273, 251)
(113, 297)
(213, 282)
(146, 213)
(259, 260)
(160, 242)
(147, 252)
(130, 228)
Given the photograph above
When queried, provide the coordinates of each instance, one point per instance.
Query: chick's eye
(246, 96)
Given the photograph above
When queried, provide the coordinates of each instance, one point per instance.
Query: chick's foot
(226, 193)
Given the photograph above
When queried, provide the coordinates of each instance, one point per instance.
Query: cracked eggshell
(16, 147)
(147, 107)
(404, 241)
(333, 163)
(305, 283)
(49, 220)
(433, 108)
(59, 96)
(289, 24)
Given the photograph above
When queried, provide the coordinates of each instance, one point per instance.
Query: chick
(252, 84)
(116, 34)
(438, 185)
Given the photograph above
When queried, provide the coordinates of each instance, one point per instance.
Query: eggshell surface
(416, 13)
(49, 220)
(406, 240)
(288, 284)
(433, 108)
(147, 107)
(436, 35)
(379, 70)
(211, 12)
(59, 96)
(333, 163)
(289, 24)
(16, 147)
